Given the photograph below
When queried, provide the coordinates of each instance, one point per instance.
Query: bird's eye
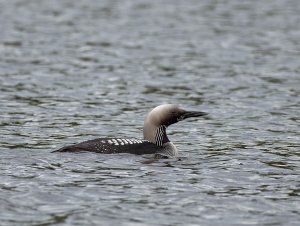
(180, 118)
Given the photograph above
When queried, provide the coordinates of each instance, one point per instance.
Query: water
(72, 71)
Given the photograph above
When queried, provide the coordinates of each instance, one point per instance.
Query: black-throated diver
(155, 136)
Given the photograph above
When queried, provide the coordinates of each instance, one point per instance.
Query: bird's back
(114, 145)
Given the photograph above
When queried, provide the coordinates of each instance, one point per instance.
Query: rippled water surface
(77, 70)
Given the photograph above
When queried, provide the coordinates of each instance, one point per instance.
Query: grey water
(77, 70)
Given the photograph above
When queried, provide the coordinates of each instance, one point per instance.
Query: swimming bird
(155, 139)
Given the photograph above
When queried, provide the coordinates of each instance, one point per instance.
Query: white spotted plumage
(118, 141)
(110, 141)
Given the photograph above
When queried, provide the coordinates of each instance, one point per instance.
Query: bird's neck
(161, 136)
(156, 135)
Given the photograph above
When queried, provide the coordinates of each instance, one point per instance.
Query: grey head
(160, 118)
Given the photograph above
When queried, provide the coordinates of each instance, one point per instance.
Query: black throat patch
(161, 136)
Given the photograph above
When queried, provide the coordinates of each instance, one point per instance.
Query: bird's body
(114, 145)
(155, 137)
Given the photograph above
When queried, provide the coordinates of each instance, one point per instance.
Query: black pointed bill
(191, 114)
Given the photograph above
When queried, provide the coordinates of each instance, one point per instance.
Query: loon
(155, 139)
